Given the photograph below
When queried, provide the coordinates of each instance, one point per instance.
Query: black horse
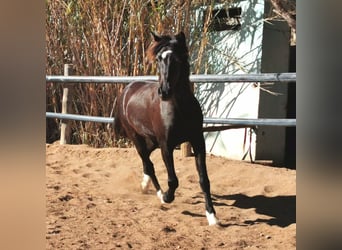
(165, 114)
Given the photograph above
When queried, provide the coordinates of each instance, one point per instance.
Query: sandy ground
(93, 201)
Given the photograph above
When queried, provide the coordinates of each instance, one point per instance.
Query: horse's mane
(177, 43)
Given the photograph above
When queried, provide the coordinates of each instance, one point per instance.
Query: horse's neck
(183, 94)
(184, 86)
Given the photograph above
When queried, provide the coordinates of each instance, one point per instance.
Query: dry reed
(110, 37)
(106, 38)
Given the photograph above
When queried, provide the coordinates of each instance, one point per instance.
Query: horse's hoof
(168, 198)
(212, 220)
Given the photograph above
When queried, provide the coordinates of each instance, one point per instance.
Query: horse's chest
(174, 121)
(167, 114)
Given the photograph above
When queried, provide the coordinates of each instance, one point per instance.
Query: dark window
(225, 19)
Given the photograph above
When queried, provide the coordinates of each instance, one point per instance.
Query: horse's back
(133, 104)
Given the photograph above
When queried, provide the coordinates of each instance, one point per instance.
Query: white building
(237, 46)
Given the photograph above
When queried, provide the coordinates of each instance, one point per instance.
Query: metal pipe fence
(230, 121)
(224, 78)
(262, 77)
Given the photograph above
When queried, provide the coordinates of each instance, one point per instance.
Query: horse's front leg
(198, 145)
(167, 154)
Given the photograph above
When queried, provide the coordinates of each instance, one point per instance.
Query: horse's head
(171, 54)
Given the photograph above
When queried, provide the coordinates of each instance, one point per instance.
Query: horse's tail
(117, 123)
(118, 129)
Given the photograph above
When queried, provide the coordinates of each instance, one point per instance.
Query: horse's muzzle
(164, 94)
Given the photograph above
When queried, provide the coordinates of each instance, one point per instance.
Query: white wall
(233, 52)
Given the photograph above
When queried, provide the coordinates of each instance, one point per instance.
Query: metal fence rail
(83, 118)
(250, 121)
(263, 77)
(230, 121)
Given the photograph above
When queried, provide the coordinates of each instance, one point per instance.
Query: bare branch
(284, 9)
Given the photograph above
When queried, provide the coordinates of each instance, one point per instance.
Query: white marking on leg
(160, 196)
(145, 183)
(211, 218)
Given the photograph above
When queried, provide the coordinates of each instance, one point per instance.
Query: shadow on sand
(282, 209)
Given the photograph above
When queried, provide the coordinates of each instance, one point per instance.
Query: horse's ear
(156, 37)
(181, 38)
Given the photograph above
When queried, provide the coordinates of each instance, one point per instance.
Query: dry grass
(110, 38)
(107, 38)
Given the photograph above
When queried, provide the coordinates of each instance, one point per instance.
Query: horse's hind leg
(144, 150)
(198, 145)
(149, 175)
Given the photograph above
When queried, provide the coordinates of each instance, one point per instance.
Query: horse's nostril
(164, 94)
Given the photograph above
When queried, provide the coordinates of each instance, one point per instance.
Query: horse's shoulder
(134, 86)
(143, 83)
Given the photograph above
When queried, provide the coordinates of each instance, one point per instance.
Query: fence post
(186, 147)
(66, 107)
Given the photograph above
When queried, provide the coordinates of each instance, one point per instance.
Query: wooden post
(186, 147)
(66, 107)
